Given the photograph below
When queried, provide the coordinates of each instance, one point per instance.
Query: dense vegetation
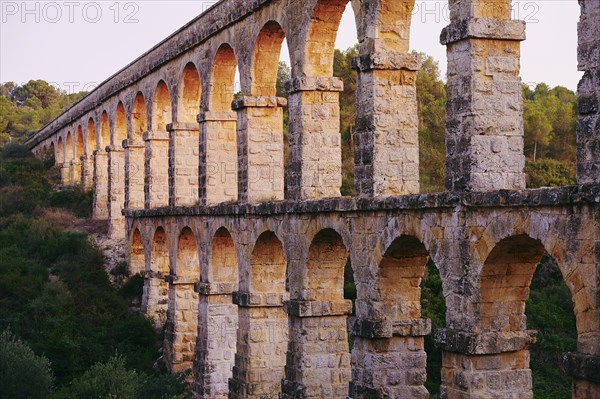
(66, 332)
(56, 298)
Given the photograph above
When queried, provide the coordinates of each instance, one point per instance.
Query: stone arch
(52, 151)
(162, 113)
(327, 257)
(120, 132)
(91, 141)
(156, 289)
(104, 138)
(400, 271)
(268, 265)
(190, 92)
(322, 32)
(69, 151)
(79, 143)
(265, 63)
(223, 267)
(137, 259)
(139, 117)
(222, 79)
(504, 283)
(187, 262)
(60, 151)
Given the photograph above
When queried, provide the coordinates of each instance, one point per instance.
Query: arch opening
(91, 143)
(137, 259)
(161, 108)
(190, 92)
(325, 268)
(79, 144)
(521, 287)
(60, 151)
(223, 79)
(69, 150)
(120, 133)
(104, 139)
(139, 117)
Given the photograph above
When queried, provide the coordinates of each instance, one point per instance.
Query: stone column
(75, 171)
(315, 163)
(65, 173)
(100, 188)
(218, 158)
(484, 108)
(184, 160)
(155, 298)
(485, 365)
(182, 323)
(386, 136)
(389, 359)
(260, 148)
(261, 346)
(134, 173)
(588, 117)
(216, 343)
(116, 191)
(318, 358)
(585, 370)
(87, 172)
(156, 166)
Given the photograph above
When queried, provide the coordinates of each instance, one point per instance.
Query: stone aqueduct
(248, 276)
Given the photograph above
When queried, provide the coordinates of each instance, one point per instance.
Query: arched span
(265, 62)
(188, 263)
(120, 132)
(162, 113)
(139, 117)
(91, 141)
(190, 92)
(79, 143)
(223, 266)
(327, 256)
(268, 265)
(222, 79)
(69, 150)
(104, 139)
(137, 259)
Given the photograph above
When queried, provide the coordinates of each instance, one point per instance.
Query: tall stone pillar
(87, 172)
(261, 346)
(389, 359)
(184, 160)
(318, 358)
(116, 191)
(315, 163)
(386, 136)
(588, 91)
(484, 108)
(75, 171)
(485, 365)
(260, 148)
(134, 173)
(155, 298)
(182, 323)
(65, 173)
(216, 343)
(156, 166)
(100, 185)
(218, 158)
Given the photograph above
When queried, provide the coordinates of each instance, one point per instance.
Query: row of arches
(305, 287)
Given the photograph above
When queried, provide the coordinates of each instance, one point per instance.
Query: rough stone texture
(260, 148)
(183, 164)
(116, 191)
(156, 183)
(588, 124)
(315, 163)
(101, 185)
(484, 109)
(87, 165)
(245, 242)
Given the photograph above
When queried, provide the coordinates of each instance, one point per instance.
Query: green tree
(538, 128)
(22, 373)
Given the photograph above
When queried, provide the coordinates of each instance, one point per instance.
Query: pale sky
(78, 44)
